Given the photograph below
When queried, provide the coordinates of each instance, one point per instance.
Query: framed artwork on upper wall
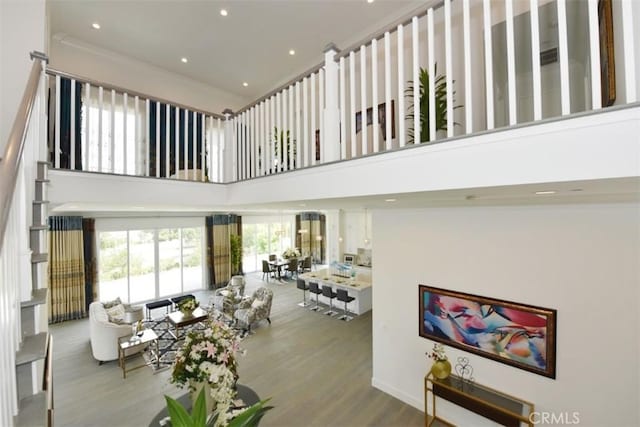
(382, 120)
(516, 334)
(607, 59)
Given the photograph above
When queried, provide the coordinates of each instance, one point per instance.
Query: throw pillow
(116, 313)
(257, 304)
(109, 304)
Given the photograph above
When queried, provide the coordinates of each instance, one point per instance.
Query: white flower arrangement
(291, 253)
(210, 356)
(437, 353)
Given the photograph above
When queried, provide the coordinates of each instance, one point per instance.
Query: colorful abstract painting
(516, 334)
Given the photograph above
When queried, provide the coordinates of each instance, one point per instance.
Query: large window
(264, 236)
(140, 265)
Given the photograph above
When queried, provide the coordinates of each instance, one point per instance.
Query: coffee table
(177, 319)
(129, 342)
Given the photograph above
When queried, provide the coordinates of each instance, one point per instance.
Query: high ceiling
(251, 44)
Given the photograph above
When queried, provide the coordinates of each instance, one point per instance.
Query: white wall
(22, 30)
(77, 57)
(579, 259)
(355, 222)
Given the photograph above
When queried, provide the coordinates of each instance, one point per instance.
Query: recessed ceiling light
(302, 204)
(540, 193)
(576, 189)
(184, 60)
(292, 52)
(370, 1)
(224, 12)
(390, 200)
(245, 84)
(95, 26)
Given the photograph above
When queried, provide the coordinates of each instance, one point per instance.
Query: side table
(492, 404)
(132, 342)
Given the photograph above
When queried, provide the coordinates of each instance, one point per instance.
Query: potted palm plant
(282, 144)
(440, 113)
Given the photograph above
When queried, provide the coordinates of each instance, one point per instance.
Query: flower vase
(441, 369)
(187, 313)
(194, 390)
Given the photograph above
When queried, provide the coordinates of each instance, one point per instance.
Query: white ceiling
(251, 44)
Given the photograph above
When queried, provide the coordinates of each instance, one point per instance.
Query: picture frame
(607, 59)
(515, 334)
(382, 119)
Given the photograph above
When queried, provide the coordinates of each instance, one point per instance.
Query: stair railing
(17, 168)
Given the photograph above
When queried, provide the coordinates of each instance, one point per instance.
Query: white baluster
(594, 55)
(125, 101)
(401, 124)
(432, 75)
(535, 61)
(511, 64)
(387, 89)
(56, 149)
(343, 112)
(629, 49)
(468, 93)
(416, 80)
(374, 95)
(72, 129)
(312, 134)
(488, 63)
(565, 100)
(363, 98)
(352, 102)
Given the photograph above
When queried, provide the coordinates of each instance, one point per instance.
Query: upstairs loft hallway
(491, 73)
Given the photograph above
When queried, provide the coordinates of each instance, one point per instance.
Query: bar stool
(314, 289)
(343, 295)
(302, 285)
(327, 291)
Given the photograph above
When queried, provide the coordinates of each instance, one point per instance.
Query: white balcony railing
(480, 64)
(452, 68)
(102, 128)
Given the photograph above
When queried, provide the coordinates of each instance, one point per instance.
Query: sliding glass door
(142, 265)
(262, 236)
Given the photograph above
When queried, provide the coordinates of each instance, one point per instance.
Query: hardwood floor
(316, 369)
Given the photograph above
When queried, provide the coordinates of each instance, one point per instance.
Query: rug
(169, 346)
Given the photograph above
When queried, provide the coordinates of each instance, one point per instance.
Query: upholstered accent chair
(225, 299)
(104, 333)
(254, 309)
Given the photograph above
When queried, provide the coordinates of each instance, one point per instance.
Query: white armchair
(104, 334)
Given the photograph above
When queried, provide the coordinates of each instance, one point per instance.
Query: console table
(492, 404)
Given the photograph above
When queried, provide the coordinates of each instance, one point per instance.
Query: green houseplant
(440, 113)
(235, 253)
(282, 144)
(180, 417)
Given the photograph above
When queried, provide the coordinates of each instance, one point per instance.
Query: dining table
(278, 264)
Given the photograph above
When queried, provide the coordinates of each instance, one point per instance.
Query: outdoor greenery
(113, 251)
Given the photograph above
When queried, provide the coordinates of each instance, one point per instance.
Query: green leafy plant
(235, 252)
(282, 144)
(440, 113)
(180, 417)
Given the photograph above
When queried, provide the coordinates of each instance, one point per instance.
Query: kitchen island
(358, 287)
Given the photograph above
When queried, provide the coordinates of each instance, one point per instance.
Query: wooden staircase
(34, 374)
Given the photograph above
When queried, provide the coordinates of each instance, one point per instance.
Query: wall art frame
(515, 334)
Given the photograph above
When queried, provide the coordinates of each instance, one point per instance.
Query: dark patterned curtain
(65, 125)
(90, 263)
(218, 250)
(66, 269)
